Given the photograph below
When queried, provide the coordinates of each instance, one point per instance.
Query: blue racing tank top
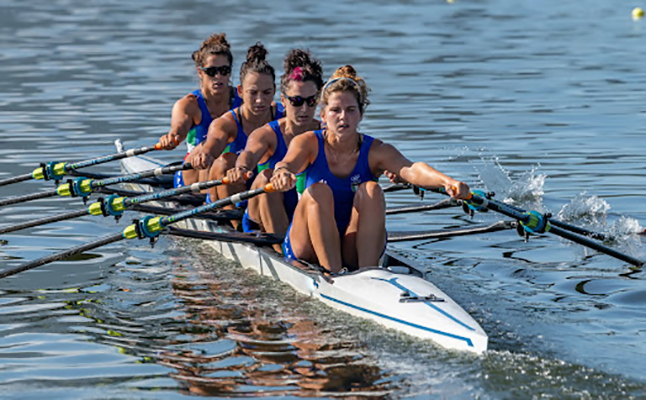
(343, 189)
(290, 198)
(279, 152)
(238, 144)
(198, 132)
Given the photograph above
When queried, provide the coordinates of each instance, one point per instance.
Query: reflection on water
(238, 340)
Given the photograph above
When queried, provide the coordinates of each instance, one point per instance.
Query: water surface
(540, 102)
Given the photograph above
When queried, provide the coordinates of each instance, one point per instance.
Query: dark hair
(215, 44)
(345, 79)
(300, 66)
(256, 62)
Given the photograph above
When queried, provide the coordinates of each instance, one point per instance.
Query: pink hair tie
(297, 74)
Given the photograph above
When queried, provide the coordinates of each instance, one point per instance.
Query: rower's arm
(301, 153)
(221, 132)
(385, 157)
(261, 145)
(184, 115)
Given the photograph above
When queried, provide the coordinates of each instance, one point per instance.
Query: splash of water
(585, 208)
(525, 188)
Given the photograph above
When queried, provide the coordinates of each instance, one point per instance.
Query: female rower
(340, 219)
(300, 86)
(193, 113)
(227, 135)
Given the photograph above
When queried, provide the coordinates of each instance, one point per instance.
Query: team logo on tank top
(355, 181)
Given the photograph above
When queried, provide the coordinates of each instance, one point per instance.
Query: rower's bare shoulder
(306, 140)
(224, 123)
(265, 132)
(187, 103)
(381, 148)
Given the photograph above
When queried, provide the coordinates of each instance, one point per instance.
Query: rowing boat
(393, 294)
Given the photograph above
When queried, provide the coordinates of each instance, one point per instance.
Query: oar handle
(246, 176)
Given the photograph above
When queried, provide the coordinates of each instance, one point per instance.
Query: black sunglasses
(213, 71)
(298, 101)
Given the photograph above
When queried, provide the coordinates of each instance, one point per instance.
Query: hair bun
(257, 52)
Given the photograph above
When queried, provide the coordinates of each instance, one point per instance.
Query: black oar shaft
(62, 255)
(520, 215)
(424, 207)
(444, 233)
(108, 158)
(195, 188)
(64, 168)
(265, 239)
(596, 246)
(146, 174)
(15, 179)
(574, 228)
(212, 206)
(27, 197)
(43, 221)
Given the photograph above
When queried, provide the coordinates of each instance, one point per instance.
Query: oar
(424, 207)
(534, 222)
(444, 233)
(82, 187)
(55, 170)
(573, 228)
(115, 205)
(147, 227)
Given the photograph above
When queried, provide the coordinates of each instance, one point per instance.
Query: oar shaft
(16, 179)
(446, 203)
(517, 213)
(581, 231)
(212, 206)
(444, 233)
(146, 174)
(28, 197)
(43, 221)
(108, 158)
(596, 246)
(62, 255)
(55, 170)
(195, 188)
(574, 228)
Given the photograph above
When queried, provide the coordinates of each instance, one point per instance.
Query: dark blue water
(540, 102)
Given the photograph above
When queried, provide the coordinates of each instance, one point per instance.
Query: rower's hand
(283, 180)
(458, 190)
(393, 177)
(238, 175)
(201, 160)
(169, 141)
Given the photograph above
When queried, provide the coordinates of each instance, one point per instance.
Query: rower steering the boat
(300, 86)
(339, 221)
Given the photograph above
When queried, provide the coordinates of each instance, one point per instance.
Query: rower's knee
(319, 196)
(320, 192)
(370, 192)
(263, 178)
(222, 164)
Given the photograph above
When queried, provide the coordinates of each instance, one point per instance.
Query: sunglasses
(213, 71)
(298, 101)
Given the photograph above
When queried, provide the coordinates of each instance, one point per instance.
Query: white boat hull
(399, 298)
